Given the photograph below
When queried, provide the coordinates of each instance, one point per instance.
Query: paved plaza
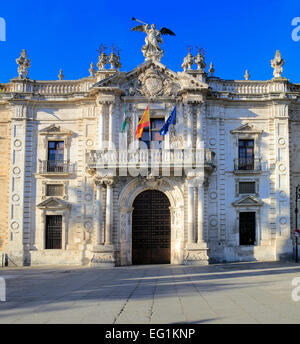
(154, 294)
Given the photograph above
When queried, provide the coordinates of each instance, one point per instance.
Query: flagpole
(149, 122)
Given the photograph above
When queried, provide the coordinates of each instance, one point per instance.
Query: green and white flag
(124, 120)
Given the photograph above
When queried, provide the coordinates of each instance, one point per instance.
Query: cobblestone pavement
(157, 294)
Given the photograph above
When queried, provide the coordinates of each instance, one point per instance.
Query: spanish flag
(143, 123)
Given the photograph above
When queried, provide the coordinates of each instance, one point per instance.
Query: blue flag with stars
(171, 120)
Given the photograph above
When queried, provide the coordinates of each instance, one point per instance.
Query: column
(101, 126)
(199, 126)
(98, 213)
(200, 214)
(111, 131)
(191, 236)
(135, 120)
(109, 213)
(189, 125)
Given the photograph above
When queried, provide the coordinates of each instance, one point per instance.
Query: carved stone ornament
(277, 64)
(102, 258)
(188, 62)
(103, 59)
(200, 255)
(200, 62)
(211, 70)
(154, 84)
(151, 182)
(23, 63)
(61, 75)
(92, 70)
(151, 82)
(247, 75)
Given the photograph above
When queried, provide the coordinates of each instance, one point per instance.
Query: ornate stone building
(218, 187)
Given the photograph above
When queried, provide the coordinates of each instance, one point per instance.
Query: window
(55, 156)
(247, 228)
(246, 187)
(152, 133)
(56, 150)
(54, 189)
(53, 232)
(246, 155)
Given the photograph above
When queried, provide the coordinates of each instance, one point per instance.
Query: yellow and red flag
(143, 123)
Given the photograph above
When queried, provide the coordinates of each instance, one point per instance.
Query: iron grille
(247, 187)
(54, 189)
(53, 232)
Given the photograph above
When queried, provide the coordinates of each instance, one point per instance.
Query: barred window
(54, 189)
(53, 232)
(246, 187)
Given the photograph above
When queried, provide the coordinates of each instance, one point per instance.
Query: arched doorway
(151, 228)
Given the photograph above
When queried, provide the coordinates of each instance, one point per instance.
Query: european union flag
(171, 120)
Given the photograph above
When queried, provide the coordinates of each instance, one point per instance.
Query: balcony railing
(247, 164)
(54, 167)
(173, 157)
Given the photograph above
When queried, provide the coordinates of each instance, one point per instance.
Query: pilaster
(15, 245)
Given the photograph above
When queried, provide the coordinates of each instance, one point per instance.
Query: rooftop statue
(152, 49)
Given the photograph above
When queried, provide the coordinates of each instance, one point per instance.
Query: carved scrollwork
(196, 256)
(153, 83)
(103, 258)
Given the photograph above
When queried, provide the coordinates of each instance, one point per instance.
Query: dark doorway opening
(53, 232)
(247, 228)
(151, 228)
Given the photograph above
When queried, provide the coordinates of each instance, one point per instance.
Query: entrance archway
(151, 228)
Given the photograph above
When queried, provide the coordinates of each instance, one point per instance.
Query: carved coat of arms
(154, 84)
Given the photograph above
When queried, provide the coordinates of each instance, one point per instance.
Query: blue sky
(236, 35)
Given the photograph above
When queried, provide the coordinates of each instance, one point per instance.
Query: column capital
(108, 181)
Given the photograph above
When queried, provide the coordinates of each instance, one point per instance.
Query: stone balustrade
(252, 87)
(68, 87)
(152, 157)
(48, 88)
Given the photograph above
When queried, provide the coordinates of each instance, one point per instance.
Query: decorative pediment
(55, 130)
(53, 204)
(246, 129)
(149, 79)
(248, 201)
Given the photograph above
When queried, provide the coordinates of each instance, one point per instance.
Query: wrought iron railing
(247, 164)
(54, 166)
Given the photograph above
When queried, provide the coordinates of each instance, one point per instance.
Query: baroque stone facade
(229, 166)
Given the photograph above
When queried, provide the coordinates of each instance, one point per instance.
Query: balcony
(247, 165)
(54, 168)
(153, 158)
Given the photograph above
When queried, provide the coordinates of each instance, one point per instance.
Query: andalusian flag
(143, 123)
(124, 120)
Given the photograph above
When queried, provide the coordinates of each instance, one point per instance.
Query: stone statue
(152, 49)
(23, 63)
(277, 64)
